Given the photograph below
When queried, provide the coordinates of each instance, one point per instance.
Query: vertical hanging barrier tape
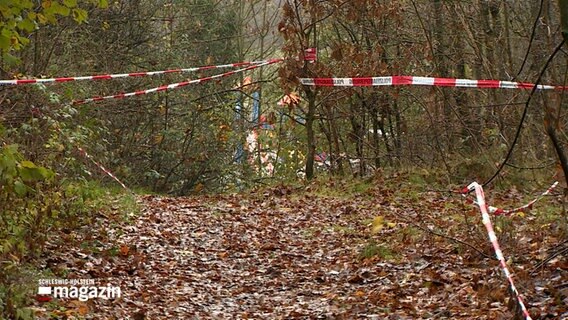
(100, 166)
(311, 55)
(90, 158)
(176, 85)
(422, 81)
(493, 238)
(96, 163)
(128, 75)
(498, 211)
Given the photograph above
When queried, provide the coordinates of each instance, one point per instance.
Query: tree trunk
(551, 122)
(376, 142)
(311, 138)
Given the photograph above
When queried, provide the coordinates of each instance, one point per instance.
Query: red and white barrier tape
(100, 166)
(127, 75)
(89, 157)
(422, 81)
(176, 85)
(498, 211)
(493, 238)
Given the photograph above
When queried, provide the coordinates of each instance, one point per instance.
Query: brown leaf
(124, 250)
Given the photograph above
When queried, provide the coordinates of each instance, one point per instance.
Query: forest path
(282, 254)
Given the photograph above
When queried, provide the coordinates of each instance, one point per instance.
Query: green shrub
(28, 199)
(35, 203)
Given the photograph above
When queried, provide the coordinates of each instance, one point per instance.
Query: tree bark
(311, 138)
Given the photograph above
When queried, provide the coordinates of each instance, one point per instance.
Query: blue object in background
(238, 109)
(255, 108)
(240, 152)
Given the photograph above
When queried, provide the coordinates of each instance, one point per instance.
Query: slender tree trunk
(376, 142)
(399, 130)
(552, 117)
(563, 4)
(441, 58)
(335, 149)
(311, 138)
(384, 110)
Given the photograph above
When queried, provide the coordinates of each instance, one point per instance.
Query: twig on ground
(549, 258)
(447, 237)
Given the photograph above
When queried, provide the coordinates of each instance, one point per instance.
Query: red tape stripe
(444, 82)
(401, 80)
(488, 83)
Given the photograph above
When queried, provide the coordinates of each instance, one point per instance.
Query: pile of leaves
(377, 249)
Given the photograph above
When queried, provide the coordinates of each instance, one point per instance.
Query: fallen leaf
(124, 250)
(377, 225)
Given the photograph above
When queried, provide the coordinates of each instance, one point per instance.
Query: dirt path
(280, 256)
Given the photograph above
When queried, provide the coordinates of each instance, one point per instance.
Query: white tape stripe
(382, 81)
(508, 85)
(466, 83)
(492, 237)
(425, 81)
(307, 81)
(342, 82)
(499, 256)
(545, 87)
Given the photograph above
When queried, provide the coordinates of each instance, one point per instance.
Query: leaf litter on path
(298, 254)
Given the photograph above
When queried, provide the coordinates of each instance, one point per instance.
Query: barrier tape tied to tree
(176, 85)
(474, 186)
(101, 167)
(129, 75)
(499, 211)
(87, 156)
(251, 65)
(422, 81)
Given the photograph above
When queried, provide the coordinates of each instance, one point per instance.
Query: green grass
(372, 249)
(341, 188)
(343, 229)
(309, 233)
(409, 234)
(216, 214)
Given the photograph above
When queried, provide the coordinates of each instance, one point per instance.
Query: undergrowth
(36, 205)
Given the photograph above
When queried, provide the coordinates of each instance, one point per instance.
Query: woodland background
(177, 141)
(185, 141)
